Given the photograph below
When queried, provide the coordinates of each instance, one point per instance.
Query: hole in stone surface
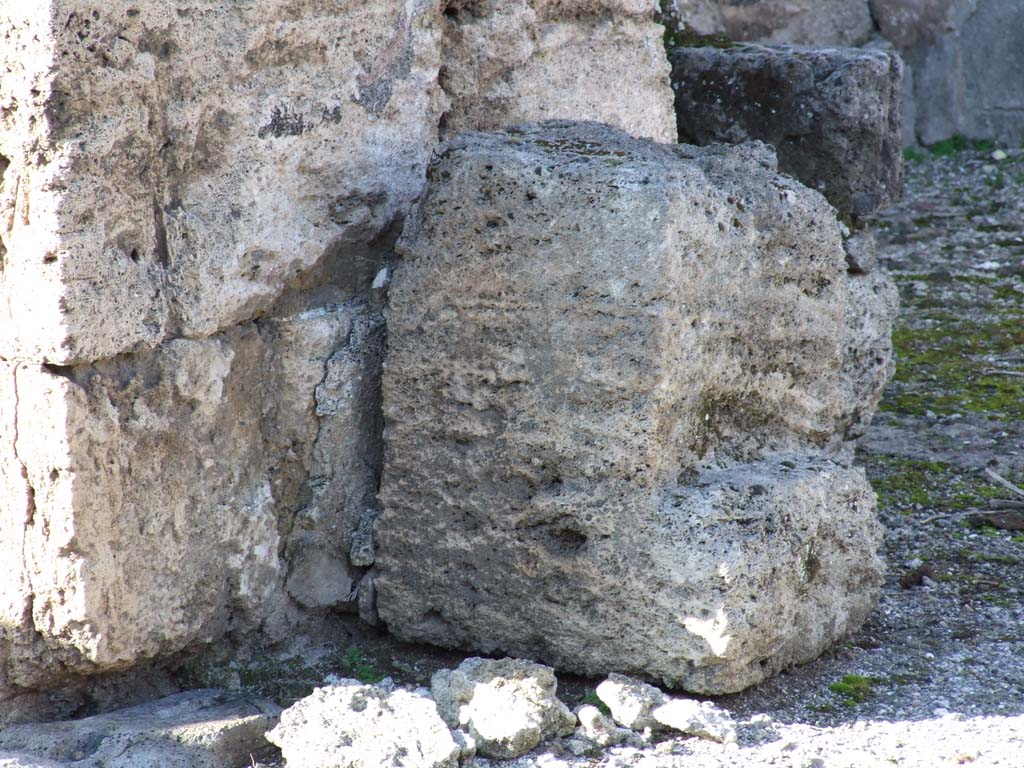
(812, 565)
(567, 539)
(134, 255)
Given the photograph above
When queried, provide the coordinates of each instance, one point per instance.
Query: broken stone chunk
(696, 718)
(631, 702)
(595, 727)
(613, 401)
(508, 706)
(350, 725)
(833, 114)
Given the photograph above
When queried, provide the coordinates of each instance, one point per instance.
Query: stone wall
(964, 57)
(197, 204)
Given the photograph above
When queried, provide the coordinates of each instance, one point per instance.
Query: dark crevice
(30, 512)
(5, 163)
(163, 255)
(64, 371)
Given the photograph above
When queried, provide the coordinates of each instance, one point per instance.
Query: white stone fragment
(351, 725)
(696, 718)
(508, 706)
(632, 702)
(597, 728)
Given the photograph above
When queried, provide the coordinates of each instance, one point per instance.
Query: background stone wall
(197, 200)
(964, 57)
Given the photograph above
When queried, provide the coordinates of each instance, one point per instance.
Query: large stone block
(833, 115)
(615, 373)
(168, 168)
(513, 61)
(148, 498)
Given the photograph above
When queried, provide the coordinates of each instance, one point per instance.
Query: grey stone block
(833, 115)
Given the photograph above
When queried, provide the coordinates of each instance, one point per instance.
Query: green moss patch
(853, 688)
(962, 348)
(905, 484)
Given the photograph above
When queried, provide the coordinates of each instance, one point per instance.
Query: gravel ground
(936, 677)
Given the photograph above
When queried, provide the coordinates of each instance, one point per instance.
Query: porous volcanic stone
(196, 202)
(615, 373)
(833, 115)
(168, 168)
(143, 496)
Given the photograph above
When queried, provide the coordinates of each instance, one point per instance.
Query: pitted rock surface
(195, 199)
(196, 729)
(615, 372)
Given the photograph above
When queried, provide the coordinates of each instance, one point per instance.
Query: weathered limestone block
(833, 115)
(512, 61)
(196, 198)
(147, 497)
(197, 729)
(614, 372)
(168, 168)
(873, 302)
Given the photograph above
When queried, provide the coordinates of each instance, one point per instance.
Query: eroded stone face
(159, 489)
(197, 729)
(196, 201)
(584, 329)
(172, 166)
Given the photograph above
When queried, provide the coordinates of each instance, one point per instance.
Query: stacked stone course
(195, 200)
